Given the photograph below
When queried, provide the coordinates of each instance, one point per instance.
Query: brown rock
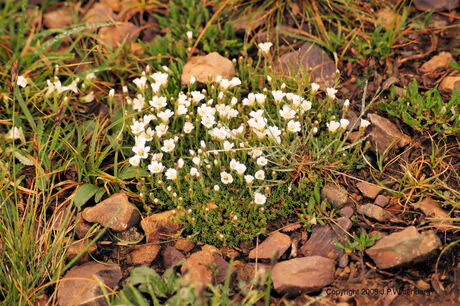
(272, 247)
(115, 4)
(60, 18)
(143, 254)
(229, 253)
(347, 212)
(222, 268)
(79, 285)
(448, 83)
(375, 212)
(407, 246)
(115, 212)
(432, 209)
(252, 271)
(436, 5)
(334, 194)
(308, 59)
(99, 13)
(132, 234)
(384, 134)
(77, 247)
(303, 275)
(387, 18)
(436, 62)
(113, 36)
(184, 245)
(204, 67)
(323, 240)
(159, 226)
(381, 200)
(171, 256)
(369, 190)
(197, 268)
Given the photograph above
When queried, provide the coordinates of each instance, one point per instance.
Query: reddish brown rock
(113, 36)
(432, 209)
(197, 268)
(336, 195)
(323, 241)
(100, 13)
(208, 66)
(184, 245)
(381, 200)
(59, 18)
(171, 256)
(143, 254)
(384, 134)
(303, 275)
(115, 212)
(369, 190)
(436, 5)
(159, 226)
(437, 62)
(79, 285)
(272, 247)
(407, 246)
(77, 247)
(221, 269)
(252, 271)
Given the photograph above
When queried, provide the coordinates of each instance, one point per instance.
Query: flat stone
(197, 268)
(381, 200)
(77, 247)
(337, 196)
(375, 212)
(303, 275)
(184, 245)
(437, 62)
(323, 240)
(432, 209)
(79, 285)
(82, 228)
(253, 271)
(115, 212)
(384, 133)
(272, 247)
(143, 254)
(132, 234)
(436, 5)
(347, 212)
(159, 226)
(59, 18)
(113, 36)
(207, 67)
(407, 246)
(369, 190)
(100, 13)
(222, 268)
(171, 256)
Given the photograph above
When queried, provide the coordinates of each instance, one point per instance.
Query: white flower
(331, 92)
(264, 48)
(155, 167)
(189, 35)
(22, 81)
(171, 174)
(111, 93)
(226, 178)
(364, 123)
(260, 98)
(158, 102)
(256, 114)
(259, 198)
(138, 102)
(233, 164)
(183, 100)
(233, 101)
(140, 82)
(168, 145)
(192, 80)
(235, 82)
(260, 175)
(135, 160)
(269, 78)
(344, 123)
(274, 132)
(256, 153)
(15, 133)
(140, 150)
(314, 88)
(147, 118)
(194, 171)
(89, 97)
(160, 77)
(197, 96)
(224, 84)
(306, 105)
(208, 121)
(140, 140)
(287, 112)
(137, 127)
(262, 161)
(249, 179)
(180, 163)
(196, 161)
(314, 130)
(258, 123)
(90, 76)
(240, 168)
(293, 126)
(188, 127)
(165, 115)
(157, 156)
(205, 110)
(227, 145)
(346, 103)
(155, 87)
(250, 100)
(216, 188)
(278, 95)
(161, 130)
(333, 126)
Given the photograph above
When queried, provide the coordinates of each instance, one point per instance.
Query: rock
(100, 13)
(115, 5)
(184, 245)
(79, 285)
(250, 21)
(347, 212)
(387, 18)
(253, 271)
(159, 226)
(113, 36)
(381, 201)
(205, 67)
(375, 212)
(407, 246)
(303, 275)
(384, 133)
(369, 190)
(448, 83)
(222, 268)
(197, 268)
(432, 209)
(272, 247)
(132, 234)
(143, 254)
(60, 18)
(323, 240)
(171, 256)
(308, 59)
(210, 249)
(115, 212)
(436, 5)
(436, 62)
(343, 261)
(229, 253)
(77, 247)
(334, 194)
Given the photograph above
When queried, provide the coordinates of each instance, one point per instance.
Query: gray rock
(384, 133)
(336, 195)
(375, 212)
(303, 275)
(79, 285)
(274, 246)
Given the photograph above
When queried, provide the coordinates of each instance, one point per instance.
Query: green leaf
(84, 193)
(99, 194)
(130, 296)
(24, 160)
